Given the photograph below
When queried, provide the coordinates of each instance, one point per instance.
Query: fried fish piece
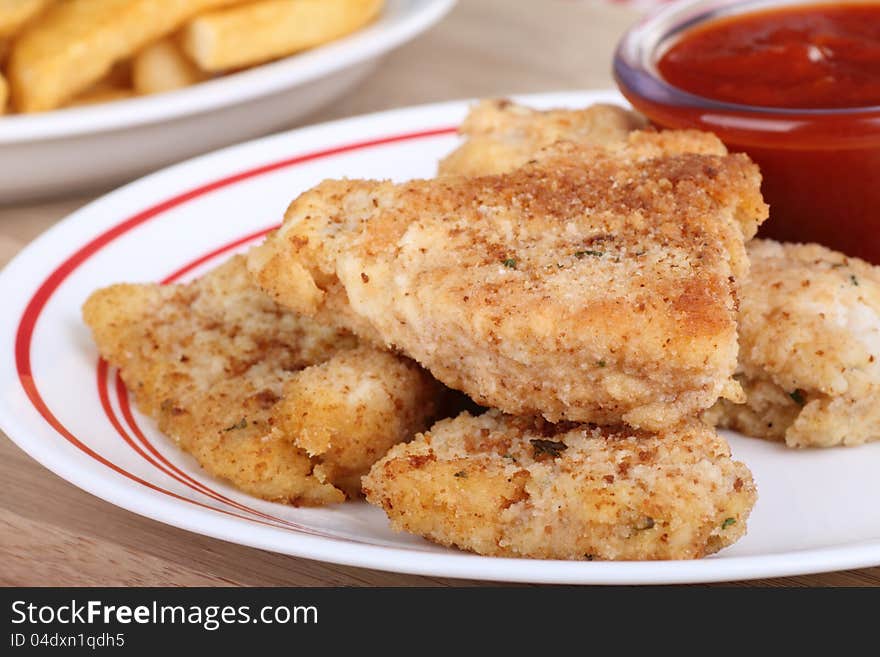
(587, 285)
(809, 348)
(502, 135)
(808, 380)
(517, 487)
(282, 407)
(349, 410)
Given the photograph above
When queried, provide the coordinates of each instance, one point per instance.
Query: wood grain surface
(52, 533)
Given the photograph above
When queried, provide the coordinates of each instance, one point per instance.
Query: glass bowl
(821, 167)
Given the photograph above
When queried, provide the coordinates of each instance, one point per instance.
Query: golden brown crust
(809, 348)
(230, 375)
(518, 487)
(502, 136)
(586, 285)
(806, 376)
(349, 410)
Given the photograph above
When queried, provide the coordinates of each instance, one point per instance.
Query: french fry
(100, 94)
(14, 14)
(76, 42)
(116, 85)
(162, 66)
(4, 92)
(267, 29)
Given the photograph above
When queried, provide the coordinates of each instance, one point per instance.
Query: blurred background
(496, 47)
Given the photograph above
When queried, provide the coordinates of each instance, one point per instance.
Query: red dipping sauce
(798, 89)
(804, 57)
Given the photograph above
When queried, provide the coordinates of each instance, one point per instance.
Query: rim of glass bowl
(642, 46)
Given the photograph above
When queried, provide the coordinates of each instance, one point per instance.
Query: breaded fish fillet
(282, 407)
(516, 487)
(502, 136)
(809, 348)
(587, 285)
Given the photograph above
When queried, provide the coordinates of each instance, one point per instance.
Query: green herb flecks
(728, 522)
(510, 263)
(461, 474)
(241, 424)
(583, 254)
(551, 448)
(798, 397)
(855, 281)
(601, 363)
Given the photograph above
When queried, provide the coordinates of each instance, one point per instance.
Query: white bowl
(73, 149)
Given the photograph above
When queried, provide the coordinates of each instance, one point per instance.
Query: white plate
(817, 509)
(66, 150)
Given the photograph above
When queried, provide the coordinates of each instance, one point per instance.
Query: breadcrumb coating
(282, 407)
(809, 380)
(349, 410)
(516, 487)
(502, 135)
(587, 285)
(809, 348)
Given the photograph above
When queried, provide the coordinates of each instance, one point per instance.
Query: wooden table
(52, 533)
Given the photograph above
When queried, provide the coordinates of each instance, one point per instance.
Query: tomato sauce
(816, 70)
(807, 57)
